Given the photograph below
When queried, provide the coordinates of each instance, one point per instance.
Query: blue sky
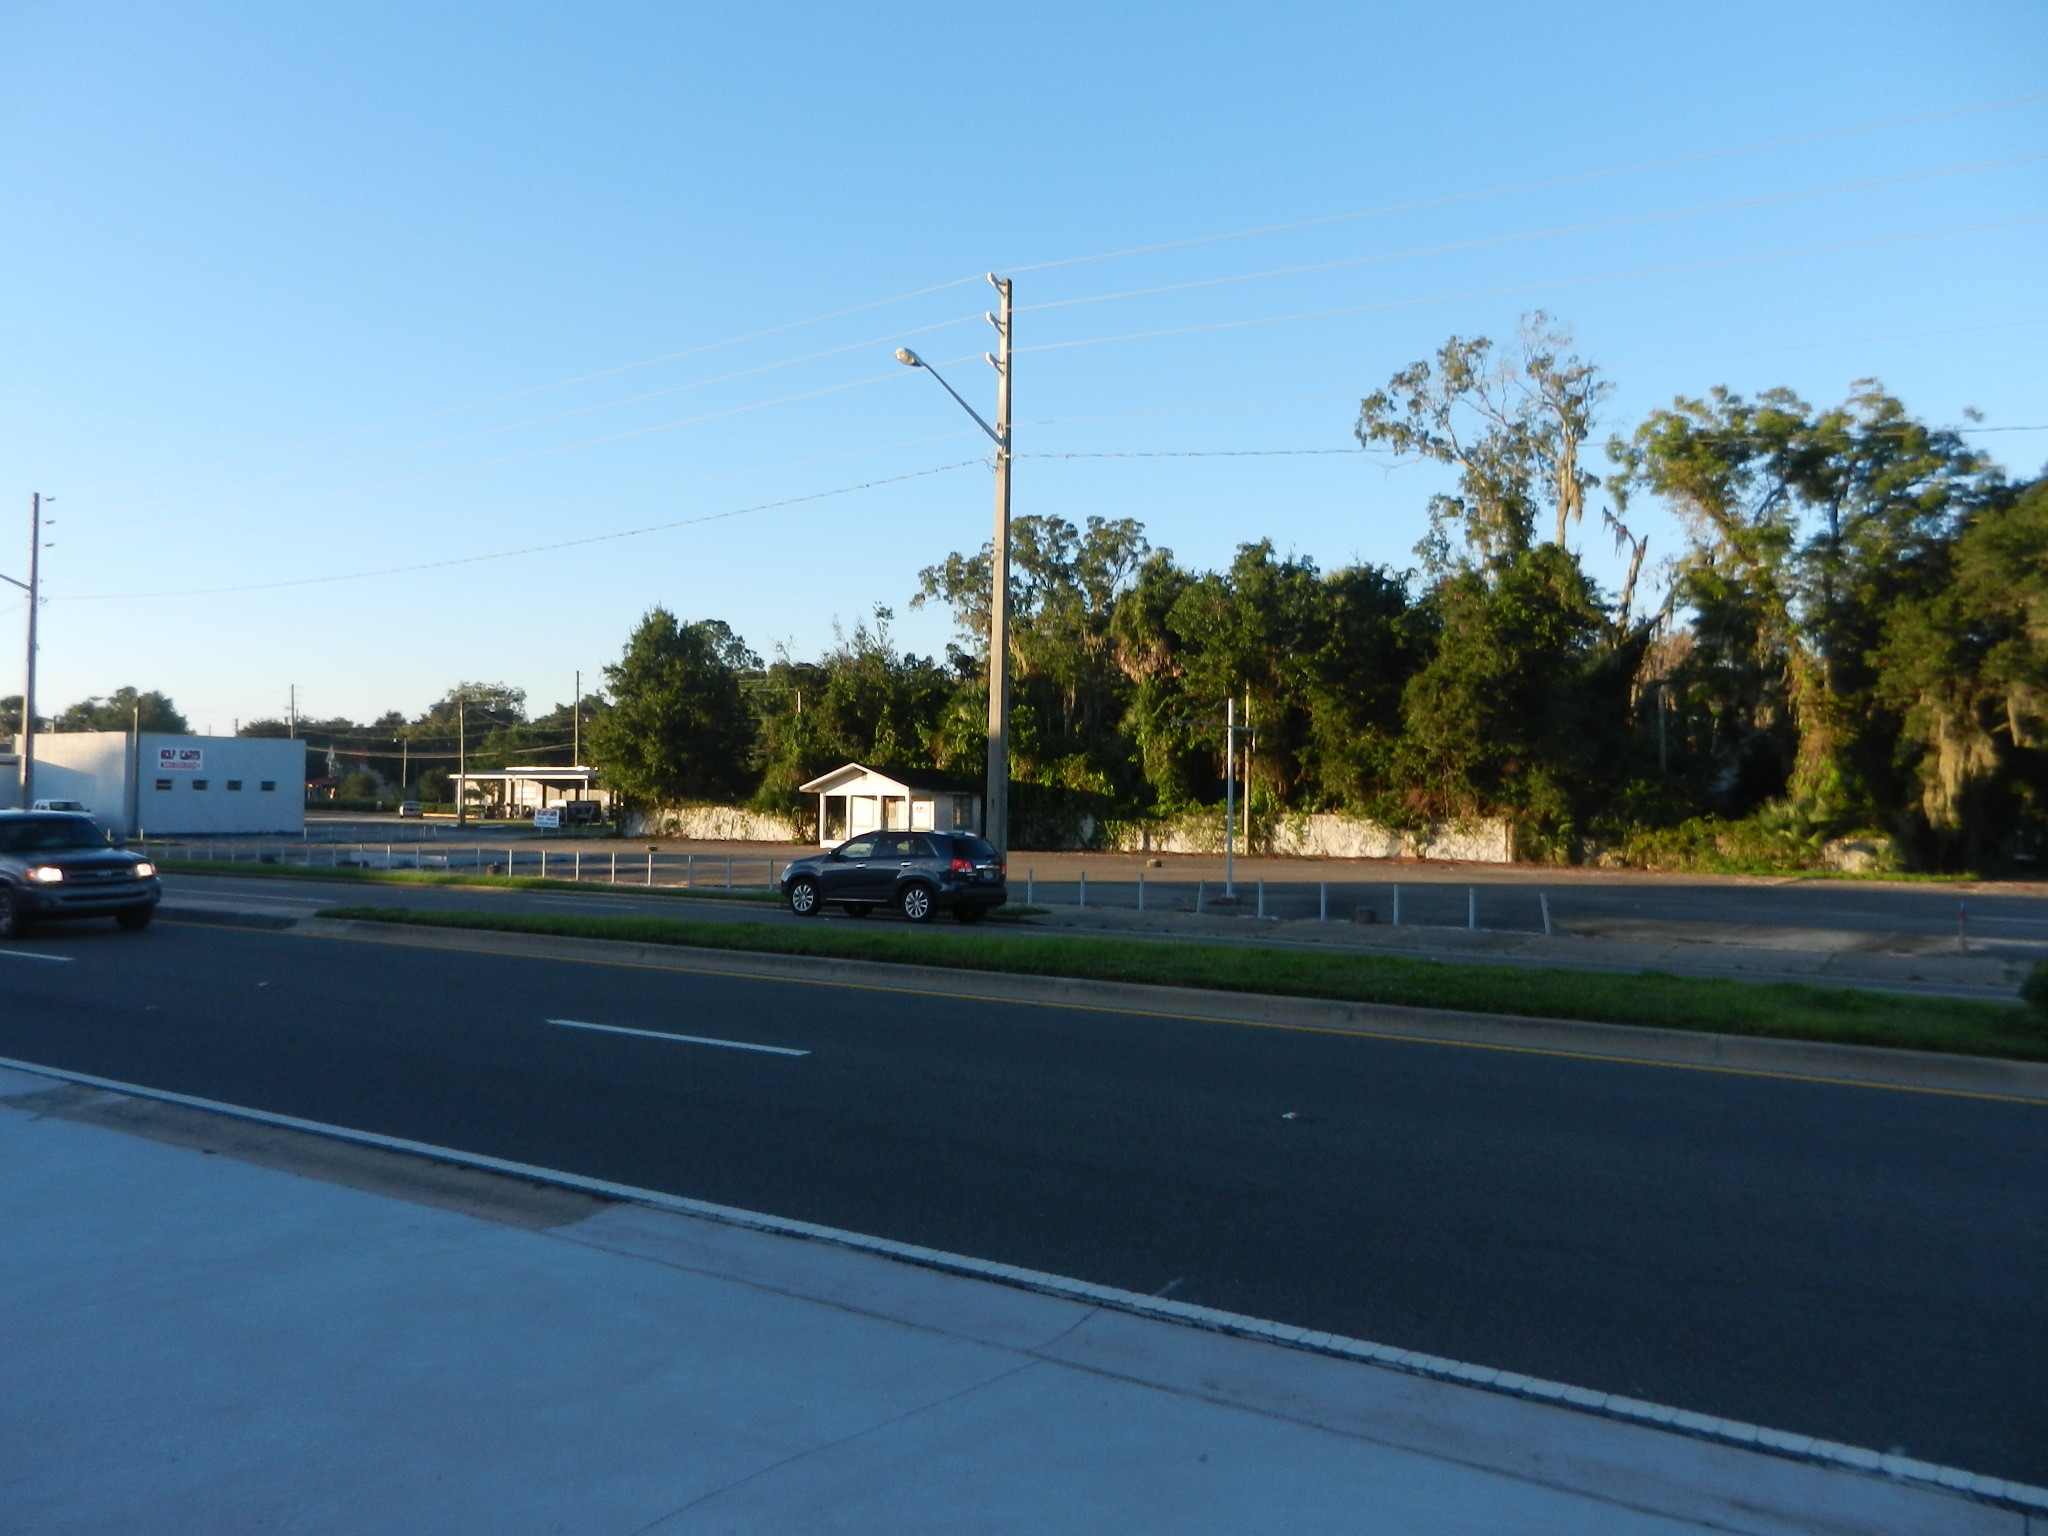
(294, 293)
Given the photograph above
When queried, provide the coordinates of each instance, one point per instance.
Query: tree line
(1851, 639)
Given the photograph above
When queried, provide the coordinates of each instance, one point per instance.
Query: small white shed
(856, 799)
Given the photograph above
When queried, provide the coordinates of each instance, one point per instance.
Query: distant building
(856, 799)
(174, 785)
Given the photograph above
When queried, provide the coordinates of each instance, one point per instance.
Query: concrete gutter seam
(1863, 1065)
(2002, 1492)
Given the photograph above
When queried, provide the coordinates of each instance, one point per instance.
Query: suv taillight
(963, 866)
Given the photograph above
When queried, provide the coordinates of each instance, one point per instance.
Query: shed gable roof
(929, 780)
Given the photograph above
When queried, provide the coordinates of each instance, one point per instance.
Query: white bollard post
(1200, 886)
(615, 866)
(1472, 908)
(576, 866)
(650, 866)
(1141, 890)
(1397, 906)
(1084, 887)
(1543, 900)
(1262, 898)
(1322, 901)
(689, 870)
(1029, 898)
(728, 871)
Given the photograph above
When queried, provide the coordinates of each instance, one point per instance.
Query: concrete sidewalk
(214, 1325)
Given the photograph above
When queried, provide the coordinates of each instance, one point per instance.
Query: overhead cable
(1555, 232)
(531, 549)
(1543, 184)
(1532, 287)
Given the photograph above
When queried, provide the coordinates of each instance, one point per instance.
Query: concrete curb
(1872, 1066)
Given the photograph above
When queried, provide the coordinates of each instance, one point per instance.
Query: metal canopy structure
(514, 787)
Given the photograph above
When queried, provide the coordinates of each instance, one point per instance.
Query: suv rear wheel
(916, 904)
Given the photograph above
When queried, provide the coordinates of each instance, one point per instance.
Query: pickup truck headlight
(46, 874)
(144, 870)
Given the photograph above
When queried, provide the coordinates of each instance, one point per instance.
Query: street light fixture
(996, 806)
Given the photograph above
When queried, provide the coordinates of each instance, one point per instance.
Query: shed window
(268, 785)
(199, 783)
(234, 784)
(163, 783)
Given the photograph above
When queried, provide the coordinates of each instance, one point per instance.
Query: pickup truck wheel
(135, 919)
(803, 898)
(13, 919)
(916, 904)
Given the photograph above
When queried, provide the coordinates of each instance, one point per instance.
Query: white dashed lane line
(29, 954)
(656, 1034)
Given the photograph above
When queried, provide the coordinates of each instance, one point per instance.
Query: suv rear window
(975, 848)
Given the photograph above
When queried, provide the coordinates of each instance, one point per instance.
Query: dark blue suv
(917, 873)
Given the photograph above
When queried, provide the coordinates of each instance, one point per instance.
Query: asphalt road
(1856, 1263)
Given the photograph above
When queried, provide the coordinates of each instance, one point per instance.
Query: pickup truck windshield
(35, 834)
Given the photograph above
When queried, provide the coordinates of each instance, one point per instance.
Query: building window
(199, 783)
(268, 785)
(233, 785)
(163, 783)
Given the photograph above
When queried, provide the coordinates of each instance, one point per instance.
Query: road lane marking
(657, 1034)
(29, 954)
(1390, 1035)
(1893, 1466)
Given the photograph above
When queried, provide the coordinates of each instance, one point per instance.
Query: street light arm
(914, 361)
(13, 583)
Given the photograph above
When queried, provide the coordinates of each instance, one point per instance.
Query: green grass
(1786, 1010)
(452, 877)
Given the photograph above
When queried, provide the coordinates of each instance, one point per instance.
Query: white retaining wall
(1328, 836)
(713, 823)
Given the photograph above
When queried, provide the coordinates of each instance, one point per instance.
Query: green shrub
(2034, 990)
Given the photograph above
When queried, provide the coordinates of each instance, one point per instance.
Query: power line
(1555, 232)
(1544, 184)
(542, 453)
(531, 549)
(539, 421)
(1562, 282)
(1199, 453)
(586, 378)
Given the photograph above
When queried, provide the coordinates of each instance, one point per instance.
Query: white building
(175, 785)
(856, 799)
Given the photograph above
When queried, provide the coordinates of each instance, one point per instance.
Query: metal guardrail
(568, 861)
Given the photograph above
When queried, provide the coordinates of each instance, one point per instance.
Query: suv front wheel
(803, 897)
(916, 904)
(13, 914)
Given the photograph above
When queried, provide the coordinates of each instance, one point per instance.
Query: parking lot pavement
(220, 1325)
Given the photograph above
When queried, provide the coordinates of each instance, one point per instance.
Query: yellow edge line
(1203, 1018)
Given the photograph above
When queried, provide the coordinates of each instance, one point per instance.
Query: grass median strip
(1786, 1010)
(457, 877)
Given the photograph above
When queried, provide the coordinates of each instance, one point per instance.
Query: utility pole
(997, 829)
(1230, 796)
(996, 803)
(461, 762)
(292, 729)
(576, 725)
(28, 686)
